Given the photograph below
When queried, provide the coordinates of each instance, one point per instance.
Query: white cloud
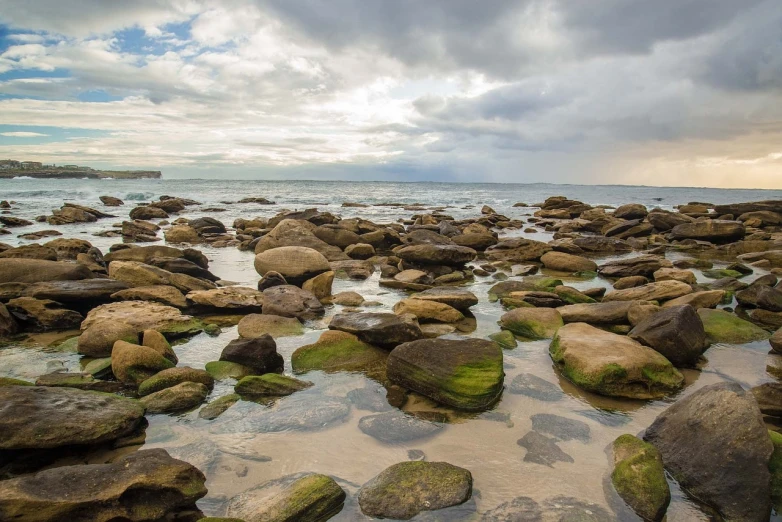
(22, 134)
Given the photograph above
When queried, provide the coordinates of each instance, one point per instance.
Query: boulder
(148, 212)
(395, 427)
(146, 254)
(724, 327)
(135, 273)
(639, 477)
(644, 266)
(269, 385)
(676, 332)
(338, 351)
(360, 251)
(218, 406)
(296, 263)
(39, 270)
(336, 235)
(181, 397)
(256, 325)
(380, 329)
(111, 201)
(458, 298)
(271, 279)
(86, 292)
(631, 211)
(532, 323)
(8, 325)
(259, 353)
(320, 285)
(143, 315)
(309, 497)
(611, 364)
(769, 398)
(98, 342)
(465, 374)
(713, 230)
(624, 283)
(39, 417)
(542, 450)
(404, 490)
(145, 485)
(297, 233)
(563, 262)
(43, 315)
(182, 234)
(163, 294)
(228, 298)
(776, 341)
(662, 291)
(535, 387)
(614, 312)
(715, 444)
(429, 254)
(292, 301)
(517, 250)
(428, 311)
(133, 364)
(703, 299)
(30, 252)
(675, 274)
(173, 376)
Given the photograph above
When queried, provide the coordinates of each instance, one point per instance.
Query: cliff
(55, 173)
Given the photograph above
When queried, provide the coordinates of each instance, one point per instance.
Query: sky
(671, 92)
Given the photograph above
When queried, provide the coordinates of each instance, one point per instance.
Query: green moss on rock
(775, 467)
(505, 339)
(10, 381)
(222, 370)
(269, 385)
(639, 477)
(724, 327)
(338, 351)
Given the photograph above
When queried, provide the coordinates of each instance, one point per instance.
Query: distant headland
(34, 169)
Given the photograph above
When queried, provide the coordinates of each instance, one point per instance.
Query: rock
(269, 385)
(724, 462)
(458, 298)
(769, 398)
(630, 282)
(380, 329)
(395, 427)
(639, 311)
(271, 279)
(532, 323)
(157, 341)
(477, 241)
(39, 270)
(148, 212)
(296, 264)
(337, 236)
(259, 353)
(8, 325)
(30, 252)
(535, 387)
(145, 485)
(133, 364)
(38, 417)
(110, 201)
(360, 251)
(611, 364)
(228, 298)
(181, 397)
(776, 341)
(561, 428)
(505, 339)
(404, 490)
(760, 296)
(517, 250)
(428, 254)
(182, 234)
(724, 327)
(542, 449)
(207, 225)
(142, 316)
(98, 342)
(173, 376)
(163, 294)
(347, 299)
(775, 467)
(256, 325)
(291, 301)
(675, 274)
(639, 477)
(222, 370)
(308, 498)
(635, 266)
(704, 299)
(520, 509)
(11, 222)
(676, 332)
(567, 262)
(338, 351)
(136, 274)
(353, 269)
(596, 313)
(428, 311)
(81, 381)
(715, 231)
(218, 406)
(85, 292)
(297, 233)
(320, 285)
(298, 412)
(662, 291)
(42, 315)
(465, 374)
(631, 211)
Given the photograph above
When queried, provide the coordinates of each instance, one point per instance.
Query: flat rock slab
(34, 417)
(543, 450)
(381, 329)
(396, 427)
(561, 428)
(458, 298)
(535, 387)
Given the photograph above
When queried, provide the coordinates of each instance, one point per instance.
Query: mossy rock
(511, 303)
(572, 296)
(220, 519)
(269, 385)
(99, 368)
(338, 351)
(222, 370)
(68, 345)
(172, 377)
(775, 467)
(505, 339)
(404, 490)
(719, 273)
(182, 397)
(532, 323)
(218, 406)
(724, 327)
(256, 325)
(311, 498)
(10, 381)
(639, 477)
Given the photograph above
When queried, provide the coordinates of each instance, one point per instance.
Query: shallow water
(317, 430)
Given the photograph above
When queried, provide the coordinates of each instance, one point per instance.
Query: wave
(22, 177)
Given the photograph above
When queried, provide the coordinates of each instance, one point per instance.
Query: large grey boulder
(716, 445)
(676, 332)
(381, 329)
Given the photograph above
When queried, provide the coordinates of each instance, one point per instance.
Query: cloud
(22, 134)
(510, 90)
